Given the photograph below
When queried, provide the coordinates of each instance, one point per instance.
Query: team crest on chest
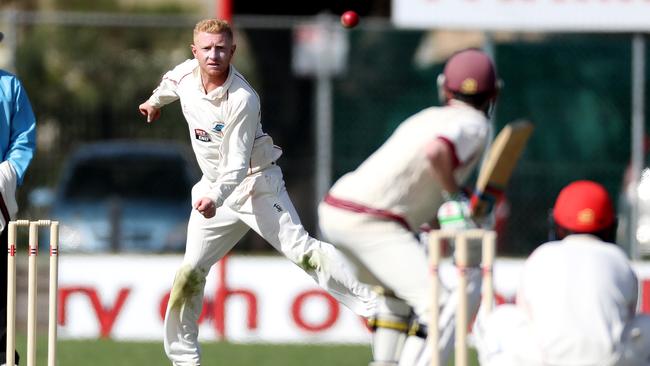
(202, 135)
(217, 127)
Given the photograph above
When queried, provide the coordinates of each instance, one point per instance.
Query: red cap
(470, 72)
(584, 207)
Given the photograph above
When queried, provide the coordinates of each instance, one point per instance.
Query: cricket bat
(498, 165)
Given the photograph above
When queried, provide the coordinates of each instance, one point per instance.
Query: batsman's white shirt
(575, 303)
(239, 173)
(398, 177)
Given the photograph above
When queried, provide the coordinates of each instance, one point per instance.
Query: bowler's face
(214, 52)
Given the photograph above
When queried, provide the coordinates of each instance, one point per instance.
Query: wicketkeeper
(577, 298)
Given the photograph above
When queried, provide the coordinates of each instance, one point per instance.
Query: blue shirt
(17, 125)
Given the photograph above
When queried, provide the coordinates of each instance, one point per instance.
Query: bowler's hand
(152, 113)
(206, 207)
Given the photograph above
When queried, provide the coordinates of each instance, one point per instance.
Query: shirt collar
(459, 103)
(220, 91)
(462, 105)
(582, 236)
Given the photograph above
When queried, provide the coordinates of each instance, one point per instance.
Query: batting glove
(455, 214)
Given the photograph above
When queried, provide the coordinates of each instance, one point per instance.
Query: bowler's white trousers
(260, 203)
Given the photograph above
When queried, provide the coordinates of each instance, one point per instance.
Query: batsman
(375, 211)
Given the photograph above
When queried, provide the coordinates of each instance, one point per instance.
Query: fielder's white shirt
(398, 178)
(224, 126)
(578, 294)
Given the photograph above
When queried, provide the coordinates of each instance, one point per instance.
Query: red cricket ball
(349, 19)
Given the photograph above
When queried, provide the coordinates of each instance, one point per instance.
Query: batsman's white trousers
(260, 203)
(391, 254)
(397, 261)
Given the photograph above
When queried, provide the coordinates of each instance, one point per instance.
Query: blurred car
(123, 196)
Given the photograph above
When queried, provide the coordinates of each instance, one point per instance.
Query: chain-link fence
(86, 80)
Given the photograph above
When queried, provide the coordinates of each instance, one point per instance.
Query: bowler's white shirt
(398, 178)
(224, 126)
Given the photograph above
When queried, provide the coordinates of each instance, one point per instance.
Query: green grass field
(112, 353)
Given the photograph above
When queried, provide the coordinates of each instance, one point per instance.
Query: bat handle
(482, 202)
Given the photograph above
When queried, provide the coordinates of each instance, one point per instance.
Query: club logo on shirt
(201, 135)
(217, 127)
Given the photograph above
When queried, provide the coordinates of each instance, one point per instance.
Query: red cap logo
(584, 207)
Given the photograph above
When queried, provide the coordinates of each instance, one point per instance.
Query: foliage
(85, 83)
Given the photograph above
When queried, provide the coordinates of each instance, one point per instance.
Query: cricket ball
(349, 19)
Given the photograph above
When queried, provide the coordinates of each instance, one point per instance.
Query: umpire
(17, 146)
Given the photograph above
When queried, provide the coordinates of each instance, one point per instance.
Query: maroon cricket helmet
(470, 72)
